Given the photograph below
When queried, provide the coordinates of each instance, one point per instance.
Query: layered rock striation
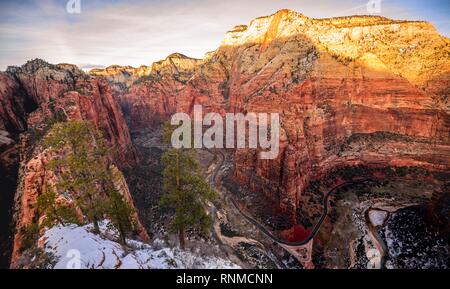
(349, 90)
(147, 94)
(38, 93)
(34, 97)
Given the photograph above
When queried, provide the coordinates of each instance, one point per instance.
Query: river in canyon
(382, 225)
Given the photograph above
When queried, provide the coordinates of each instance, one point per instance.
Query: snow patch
(97, 251)
(377, 217)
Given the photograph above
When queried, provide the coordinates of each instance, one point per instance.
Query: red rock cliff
(349, 90)
(148, 94)
(49, 91)
(35, 95)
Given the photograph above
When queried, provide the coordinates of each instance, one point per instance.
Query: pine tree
(81, 165)
(185, 190)
(120, 212)
(53, 212)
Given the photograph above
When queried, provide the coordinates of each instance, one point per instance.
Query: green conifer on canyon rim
(85, 172)
(185, 190)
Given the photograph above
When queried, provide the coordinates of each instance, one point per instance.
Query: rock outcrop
(38, 92)
(147, 94)
(35, 96)
(349, 90)
(34, 180)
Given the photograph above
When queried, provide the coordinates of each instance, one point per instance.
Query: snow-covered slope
(78, 247)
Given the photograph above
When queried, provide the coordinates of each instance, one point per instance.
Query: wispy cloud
(139, 32)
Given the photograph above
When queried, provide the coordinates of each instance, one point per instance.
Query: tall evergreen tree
(120, 214)
(54, 212)
(185, 190)
(81, 166)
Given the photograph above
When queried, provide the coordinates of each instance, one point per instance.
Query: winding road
(261, 227)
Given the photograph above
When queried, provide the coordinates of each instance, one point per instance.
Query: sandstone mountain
(358, 90)
(350, 90)
(147, 93)
(35, 96)
(37, 92)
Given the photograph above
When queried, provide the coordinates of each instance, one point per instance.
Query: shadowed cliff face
(14, 106)
(330, 80)
(9, 167)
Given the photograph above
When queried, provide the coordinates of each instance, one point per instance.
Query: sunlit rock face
(147, 94)
(350, 90)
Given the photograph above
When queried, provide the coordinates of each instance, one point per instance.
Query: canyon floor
(376, 223)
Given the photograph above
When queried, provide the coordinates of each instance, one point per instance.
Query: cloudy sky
(140, 32)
